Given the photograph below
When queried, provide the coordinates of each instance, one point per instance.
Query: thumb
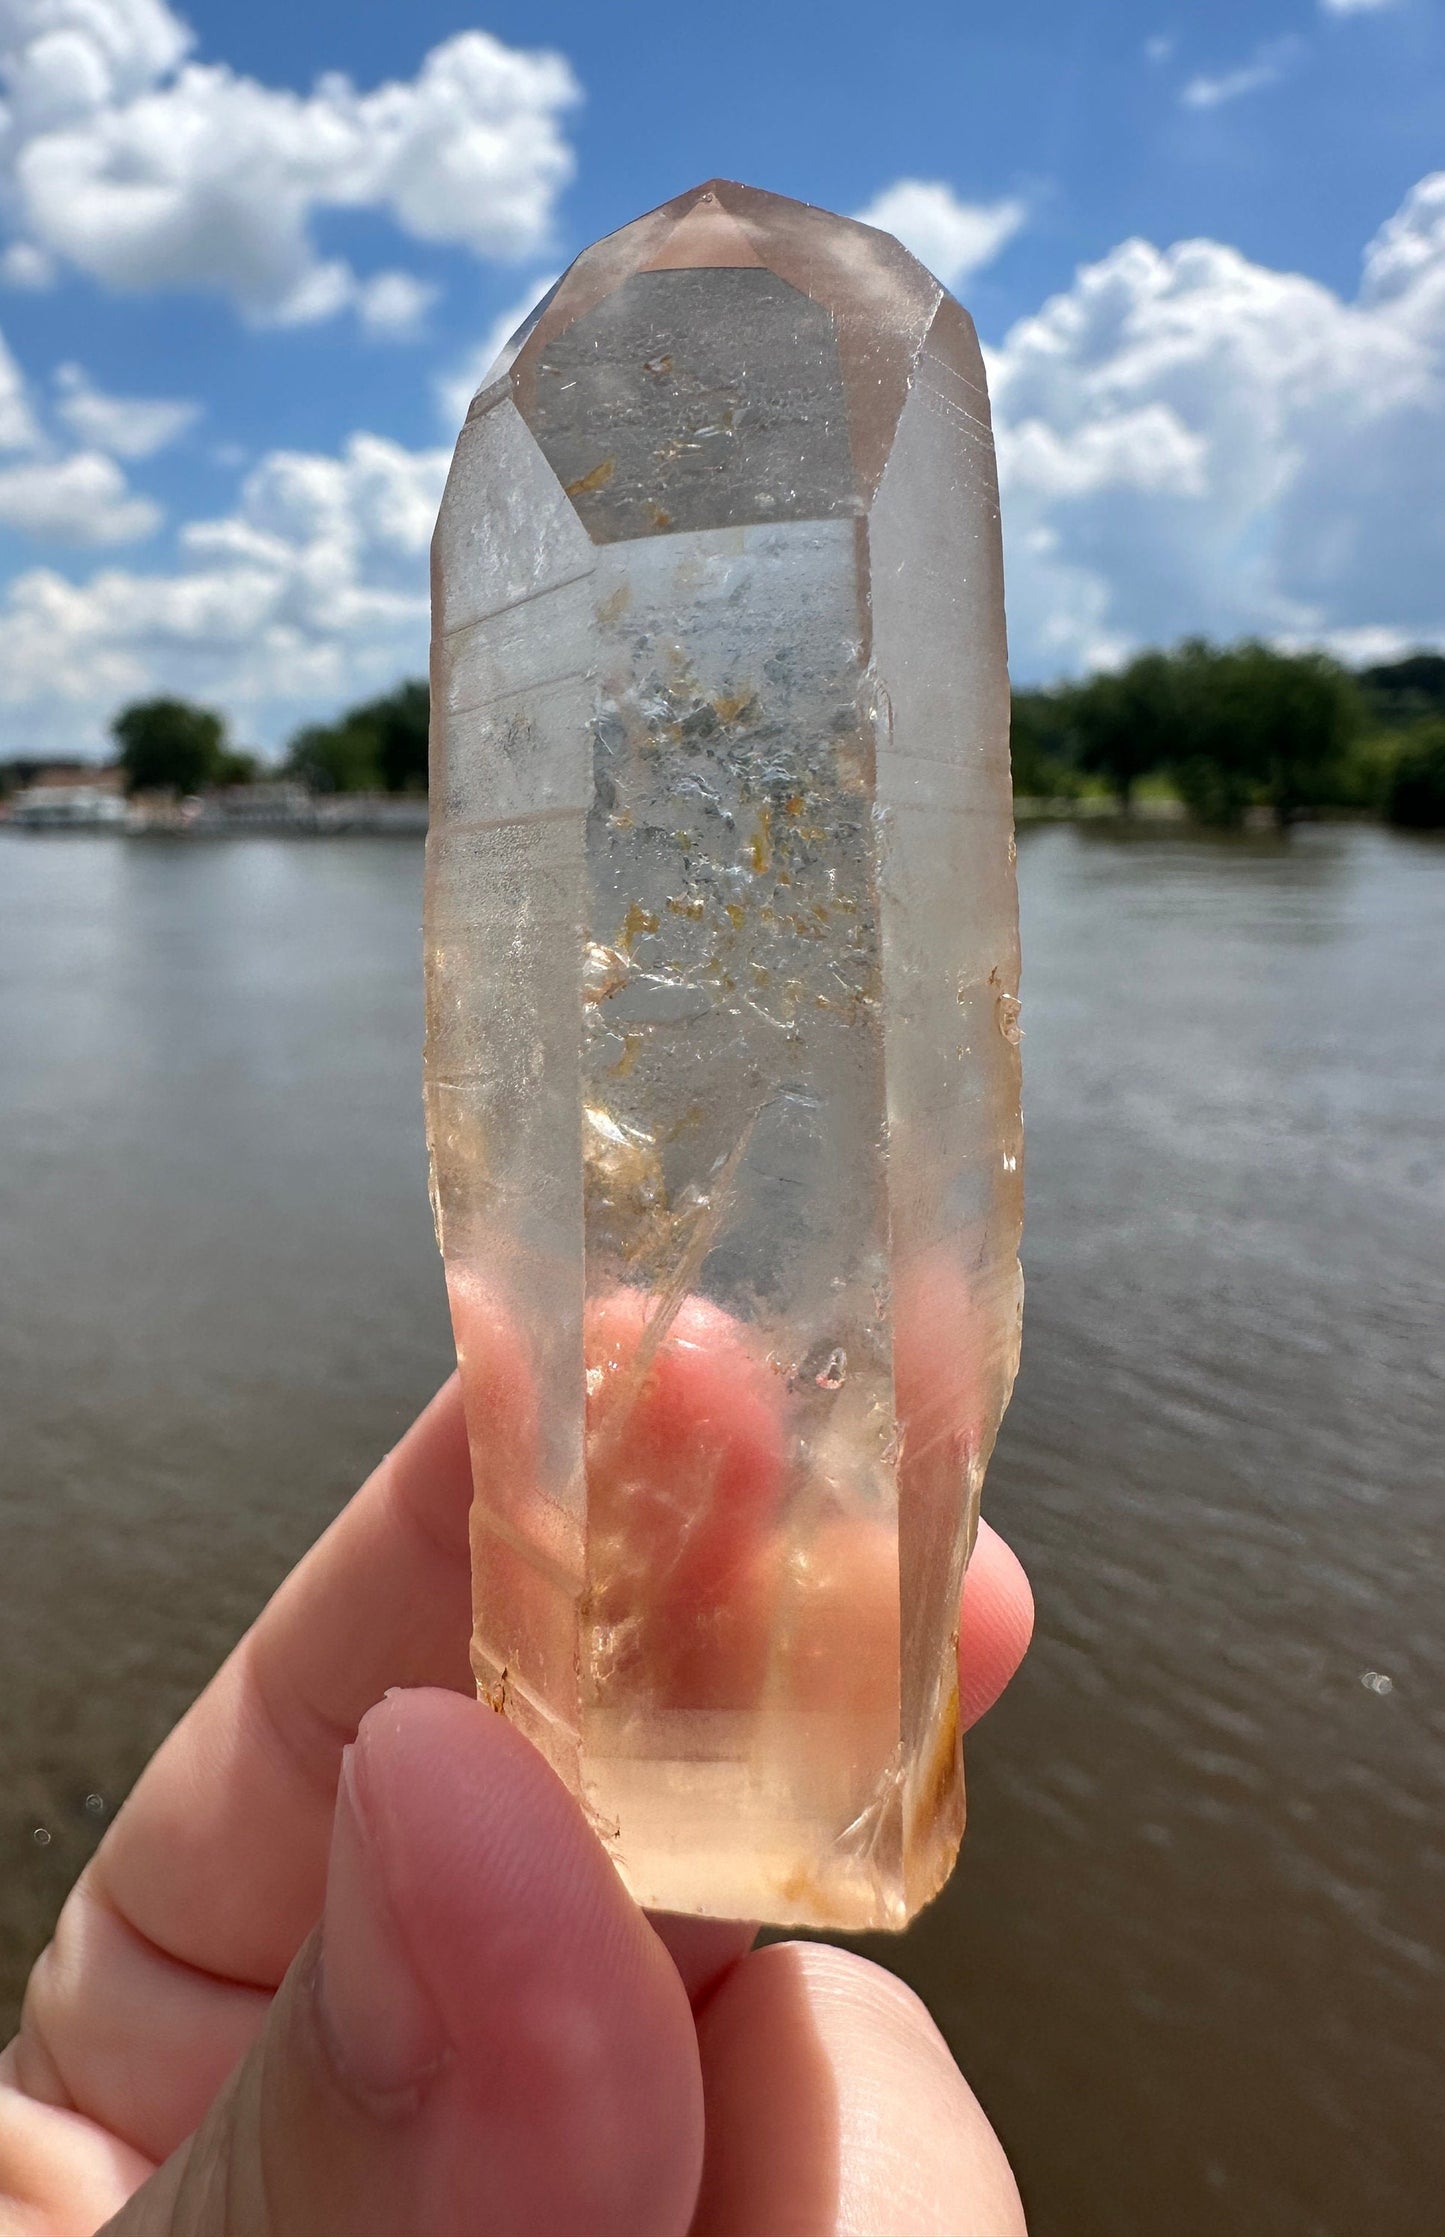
(484, 2035)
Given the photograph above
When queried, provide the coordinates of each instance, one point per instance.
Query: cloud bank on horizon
(1189, 442)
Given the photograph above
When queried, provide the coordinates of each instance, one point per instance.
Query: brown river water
(1194, 1957)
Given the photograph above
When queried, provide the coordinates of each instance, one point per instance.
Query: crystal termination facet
(722, 1052)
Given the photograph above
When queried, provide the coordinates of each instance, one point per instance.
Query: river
(1194, 1957)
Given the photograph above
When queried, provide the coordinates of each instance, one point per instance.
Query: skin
(482, 2036)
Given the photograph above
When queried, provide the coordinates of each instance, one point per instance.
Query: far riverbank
(279, 810)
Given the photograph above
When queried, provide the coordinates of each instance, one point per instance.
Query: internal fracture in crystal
(722, 1055)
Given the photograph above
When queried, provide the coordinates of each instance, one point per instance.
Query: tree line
(380, 746)
(1230, 728)
(1226, 729)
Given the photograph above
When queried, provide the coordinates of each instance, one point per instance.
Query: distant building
(70, 797)
(277, 805)
(65, 797)
(281, 805)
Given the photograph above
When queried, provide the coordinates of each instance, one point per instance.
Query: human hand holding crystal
(483, 2034)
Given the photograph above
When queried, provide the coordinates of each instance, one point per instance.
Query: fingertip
(997, 1569)
(833, 2103)
(484, 2032)
(474, 1826)
(996, 1623)
(569, 2033)
(709, 1401)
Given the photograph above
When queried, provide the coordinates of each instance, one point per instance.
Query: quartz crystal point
(722, 1052)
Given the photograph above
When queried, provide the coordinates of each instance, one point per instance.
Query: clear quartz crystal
(722, 1051)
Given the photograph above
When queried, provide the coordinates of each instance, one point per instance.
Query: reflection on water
(1192, 1959)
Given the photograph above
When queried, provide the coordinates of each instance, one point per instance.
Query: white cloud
(126, 426)
(1266, 66)
(1192, 442)
(1405, 262)
(82, 500)
(127, 161)
(1354, 7)
(456, 388)
(954, 239)
(393, 304)
(64, 58)
(24, 265)
(1188, 442)
(312, 592)
(18, 429)
(1160, 47)
(1151, 450)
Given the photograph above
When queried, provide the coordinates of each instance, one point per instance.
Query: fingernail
(382, 2031)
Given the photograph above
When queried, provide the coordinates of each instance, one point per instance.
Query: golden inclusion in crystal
(722, 1053)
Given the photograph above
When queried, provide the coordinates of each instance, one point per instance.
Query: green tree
(234, 766)
(168, 743)
(1233, 726)
(1416, 797)
(1402, 692)
(1039, 746)
(401, 722)
(1122, 724)
(378, 746)
(334, 757)
(1258, 726)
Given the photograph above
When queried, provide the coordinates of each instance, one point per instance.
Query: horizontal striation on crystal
(722, 1049)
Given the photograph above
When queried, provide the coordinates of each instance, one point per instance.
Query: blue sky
(250, 258)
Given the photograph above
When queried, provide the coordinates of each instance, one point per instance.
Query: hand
(483, 2037)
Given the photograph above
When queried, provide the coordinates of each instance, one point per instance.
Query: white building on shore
(71, 799)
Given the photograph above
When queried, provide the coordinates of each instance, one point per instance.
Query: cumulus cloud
(81, 500)
(1189, 441)
(65, 57)
(954, 239)
(394, 304)
(1266, 66)
(125, 426)
(126, 160)
(312, 591)
(1405, 262)
(24, 265)
(18, 429)
(82, 497)
(1150, 449)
